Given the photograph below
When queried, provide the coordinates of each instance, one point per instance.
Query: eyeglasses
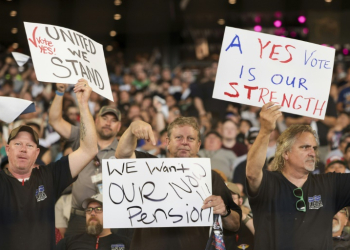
(96, 209)
(300, 205)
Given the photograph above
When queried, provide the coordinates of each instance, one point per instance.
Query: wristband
(59, 93)
(228, 210)
(247, 218)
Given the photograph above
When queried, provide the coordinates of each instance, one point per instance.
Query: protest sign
(20, 58)
(64, 56)
(256, 68)
(12, 107)
(164, 192)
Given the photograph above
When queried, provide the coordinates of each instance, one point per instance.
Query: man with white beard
(341, 239)
(95, 237)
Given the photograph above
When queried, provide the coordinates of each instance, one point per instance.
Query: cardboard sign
(12, 107)
(164, 192)
(257, 68)
(64, 56)
(20, 58)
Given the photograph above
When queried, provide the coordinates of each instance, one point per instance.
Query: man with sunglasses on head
(341, 239)
(28, 194)
(95, 237)
(89, 181)
(292, 208)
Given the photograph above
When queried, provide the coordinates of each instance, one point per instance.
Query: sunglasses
(300, 205)
(97, 210)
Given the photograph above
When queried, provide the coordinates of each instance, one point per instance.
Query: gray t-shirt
(221, 159)
(83, 187)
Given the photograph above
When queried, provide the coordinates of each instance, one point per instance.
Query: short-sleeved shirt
(88, 242)
(83, 187)
(27, 212)
(184, 238)
(279, 225)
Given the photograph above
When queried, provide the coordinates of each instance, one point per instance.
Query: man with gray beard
(341, 239)
(292, 208)
(89, 182)
(95, 237)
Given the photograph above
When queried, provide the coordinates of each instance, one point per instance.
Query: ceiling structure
(174, 26)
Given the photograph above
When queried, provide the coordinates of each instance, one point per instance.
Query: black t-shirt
(242, 239)
(184, 238)
(86, 242)
(278, 224)
(27, 215)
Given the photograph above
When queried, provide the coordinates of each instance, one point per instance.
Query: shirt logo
(117, 247)
(40, 194)
(243, 246)
(315, 202)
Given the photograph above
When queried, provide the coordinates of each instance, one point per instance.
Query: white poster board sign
(256, 68)
(12, 107)
(64, 56)
(164, 192)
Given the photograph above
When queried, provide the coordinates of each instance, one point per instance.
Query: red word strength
(264, 95)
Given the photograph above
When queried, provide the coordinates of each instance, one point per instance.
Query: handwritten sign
(63, 55)
(12, 107)
(156, 192)
(257, 68)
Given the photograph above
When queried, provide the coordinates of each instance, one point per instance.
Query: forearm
(249, 224)
(329, 121)
(88, 136)
(198, 103)
(160, 123)
(231, 222)
(55, 118)
(126, 146)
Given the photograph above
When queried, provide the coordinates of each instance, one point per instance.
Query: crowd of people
(150, 103)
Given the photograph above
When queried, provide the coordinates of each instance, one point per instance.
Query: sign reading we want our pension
(256, 68)
(164, 192)
(62, 55)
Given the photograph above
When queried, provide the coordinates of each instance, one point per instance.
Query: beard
(105, 136)
(94, 228)
(336, 227)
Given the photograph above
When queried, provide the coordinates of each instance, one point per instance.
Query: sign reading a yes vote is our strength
(257, 68)
(153, 192)
(63, 55)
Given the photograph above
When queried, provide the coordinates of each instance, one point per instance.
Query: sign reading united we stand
(256, 68)
(63, 55)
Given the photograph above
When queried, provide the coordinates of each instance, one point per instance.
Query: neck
(104, 143)
(294, 176)
(20, 175)
(229, 143)
(105, 232)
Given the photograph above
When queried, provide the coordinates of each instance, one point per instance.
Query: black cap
(25, 128)
(252, 134)
(213, 132)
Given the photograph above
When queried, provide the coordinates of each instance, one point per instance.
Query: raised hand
(142, 130)
(82, 91)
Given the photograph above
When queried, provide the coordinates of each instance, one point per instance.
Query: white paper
(12, 107)
(255, 68)
(20, 58)
(64, 55)
(164, 192)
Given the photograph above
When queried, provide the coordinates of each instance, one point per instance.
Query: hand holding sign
(268, 117)
(61, 87)
(82, 91)
(216, 203)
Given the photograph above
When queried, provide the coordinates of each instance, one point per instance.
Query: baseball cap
(336, 159)
(25, 128)
(252, 134)
(214, 133)
(97, 198)
(233, 188)
(108, 109)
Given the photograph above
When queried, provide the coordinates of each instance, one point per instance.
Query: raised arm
(127, 143)
(257, 153)
(60, 125)
(88, 138)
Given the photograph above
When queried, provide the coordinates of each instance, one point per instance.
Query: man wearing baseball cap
(336, 164)
(27, 194)
(95, 237)
(89, 182)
